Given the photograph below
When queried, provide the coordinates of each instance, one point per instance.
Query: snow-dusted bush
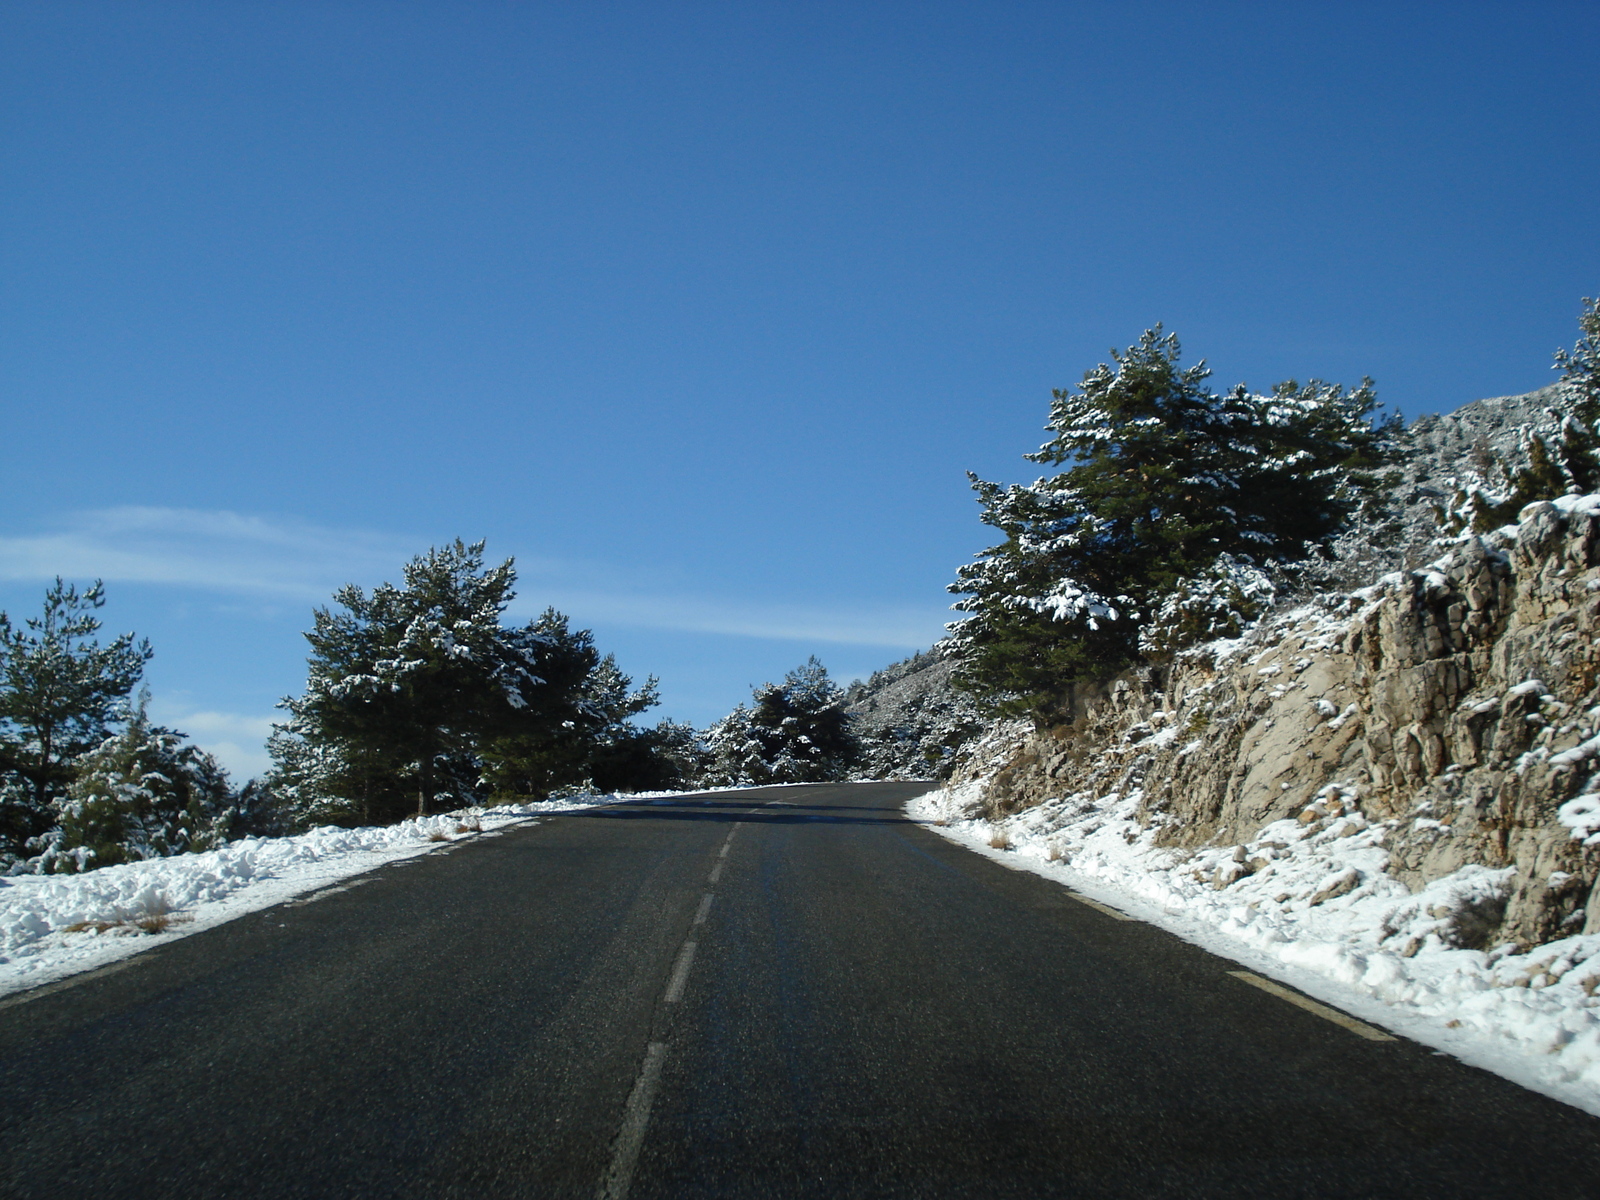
(143, 793)
(911, 720)
(1560, 455)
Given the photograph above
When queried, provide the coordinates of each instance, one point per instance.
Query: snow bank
(52, 926)
(1309, 902)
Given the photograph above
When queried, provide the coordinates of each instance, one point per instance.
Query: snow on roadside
(37, 912)
(1309, 902)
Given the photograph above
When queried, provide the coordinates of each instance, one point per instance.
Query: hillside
(910, 720)
(1400, 778)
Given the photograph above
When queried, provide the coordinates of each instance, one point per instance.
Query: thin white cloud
(217, 551)
(286, 560)
(903, 628)
(236, 740)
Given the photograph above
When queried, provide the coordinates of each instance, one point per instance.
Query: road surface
(780, 992)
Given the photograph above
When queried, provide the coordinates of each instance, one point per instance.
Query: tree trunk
(424, 783)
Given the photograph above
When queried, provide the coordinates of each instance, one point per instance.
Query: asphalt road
(862, 1009)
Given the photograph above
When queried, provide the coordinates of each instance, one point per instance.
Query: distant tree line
(419, 697)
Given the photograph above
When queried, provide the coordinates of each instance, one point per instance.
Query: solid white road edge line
(635, 1119)
(1098, 907)
(680, 974)
(330, 891)
(1311, 1006)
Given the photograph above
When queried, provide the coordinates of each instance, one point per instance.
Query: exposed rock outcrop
(1455, 704)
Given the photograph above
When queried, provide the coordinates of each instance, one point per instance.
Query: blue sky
(702, 311)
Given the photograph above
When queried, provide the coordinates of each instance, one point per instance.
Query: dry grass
(438, 835)
(1055, 854)
(91, 926)
(158, 922)
(999, 840)
(469, 824)
(155, 917)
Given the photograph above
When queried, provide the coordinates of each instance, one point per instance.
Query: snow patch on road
(1309, 902)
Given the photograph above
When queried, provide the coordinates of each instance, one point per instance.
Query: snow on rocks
(52, 926)
(1309, 901)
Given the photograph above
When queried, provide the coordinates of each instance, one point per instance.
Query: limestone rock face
(1457, 704)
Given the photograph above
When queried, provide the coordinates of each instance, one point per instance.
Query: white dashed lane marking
(635, 1120)
(680, 973)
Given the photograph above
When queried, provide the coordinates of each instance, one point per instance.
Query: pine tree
(796, 731)
(1580, 366)
(60, 692)
(736, 755)
(142, 793)
(410, 674)
(1163, 477)
(571, 723)
(422, 689)
(669, 756)
(1556, 466)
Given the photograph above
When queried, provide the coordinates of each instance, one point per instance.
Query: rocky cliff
(1452, 710)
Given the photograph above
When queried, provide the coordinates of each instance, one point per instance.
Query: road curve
(860, 1008)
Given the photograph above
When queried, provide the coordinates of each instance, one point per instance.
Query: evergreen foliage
(736, 754)
(669, 756)
(1564, 463)
(1580, 366)
(60, 693)
(142, 793)
(418, 692)
(796, 731)
(911, 723)
(581, 717)
(1222, 601)
(1163, 477)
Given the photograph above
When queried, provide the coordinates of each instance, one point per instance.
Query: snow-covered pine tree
(796, 731)
(1558, 463)
(736, 754)
(320, 779)
(420, 689)
(1580, 366)
(570, 724)
(1163, 477)
(405, 676)
(142, 793)
(60, 693)
(802, 725)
